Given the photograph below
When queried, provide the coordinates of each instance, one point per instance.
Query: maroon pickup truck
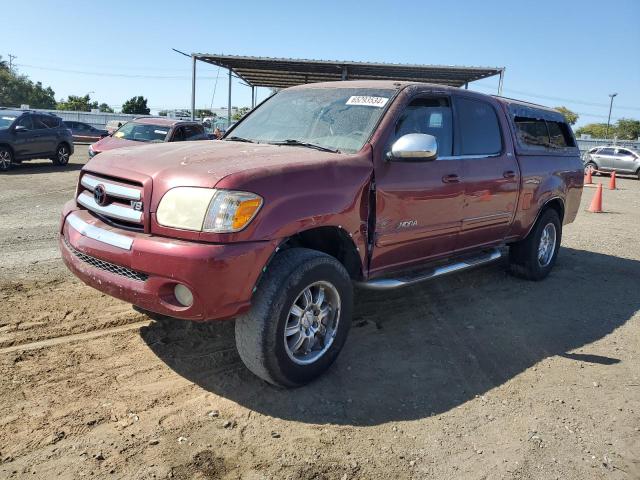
(323, 186)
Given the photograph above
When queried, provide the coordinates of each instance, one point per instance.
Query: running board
(470, 262)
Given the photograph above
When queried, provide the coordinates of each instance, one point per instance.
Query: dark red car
(379, 184)
(149, 130)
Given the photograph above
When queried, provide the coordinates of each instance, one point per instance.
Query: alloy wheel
(547, 245)
(312, 323)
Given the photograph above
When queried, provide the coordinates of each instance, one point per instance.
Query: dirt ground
(475, 376)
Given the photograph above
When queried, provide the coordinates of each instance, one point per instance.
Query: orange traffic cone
(612, 181)
(587, 177)
(596, 203)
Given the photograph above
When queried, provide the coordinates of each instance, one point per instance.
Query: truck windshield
(142, 132)
(333, 118)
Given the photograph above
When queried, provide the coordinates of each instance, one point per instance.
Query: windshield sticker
(367, 101)
(160, 132)
(8, 118)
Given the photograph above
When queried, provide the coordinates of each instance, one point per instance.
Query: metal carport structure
(287, 72)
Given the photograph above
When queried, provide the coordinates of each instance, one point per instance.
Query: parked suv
(25, 135)
(150, 130)
(608, 158)
(375, 183)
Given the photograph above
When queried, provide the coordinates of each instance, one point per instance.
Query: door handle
(452, 178)
(509, 174)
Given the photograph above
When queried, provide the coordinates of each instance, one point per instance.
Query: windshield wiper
(239, 139)
(298, 143)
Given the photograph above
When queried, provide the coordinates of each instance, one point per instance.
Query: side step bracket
(420, 276)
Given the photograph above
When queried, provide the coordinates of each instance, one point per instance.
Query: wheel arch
(331, 240)
(555, 203)
(8, 146)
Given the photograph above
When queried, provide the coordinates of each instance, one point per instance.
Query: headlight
(207, 209)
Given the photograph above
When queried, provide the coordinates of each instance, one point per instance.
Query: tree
(241, 112)
(162, 113)
(16, 90)
(4, 66)
(105, 108)
(596, 130)
(77, 104)
(136, 105)
(569, 116)
(628, 129)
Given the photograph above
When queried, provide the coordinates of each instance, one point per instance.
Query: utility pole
(11, 58)
(611, 95)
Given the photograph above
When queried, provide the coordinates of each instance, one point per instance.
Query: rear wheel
(62, 155)
(299, 319)
(590, 166)
(534, 257)
(6, 159)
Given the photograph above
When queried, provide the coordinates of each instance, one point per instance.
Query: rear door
(624, 161)
(418, 203)
(47, 135)
(490, 172)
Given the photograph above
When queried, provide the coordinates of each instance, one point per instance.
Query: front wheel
(534, 257)
(6, 159)
(299, 318)
(62, 155)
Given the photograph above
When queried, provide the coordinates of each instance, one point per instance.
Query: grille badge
(100, 195)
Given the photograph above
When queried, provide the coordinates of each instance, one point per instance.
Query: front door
(490, 173)
(418, 203)
(24, 143)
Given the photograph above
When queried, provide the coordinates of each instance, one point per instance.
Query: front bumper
(143, 269)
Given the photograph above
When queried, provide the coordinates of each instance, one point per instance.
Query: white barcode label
(367, 101)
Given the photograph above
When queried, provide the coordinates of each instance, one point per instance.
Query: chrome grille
(106, 266)
(118, 201)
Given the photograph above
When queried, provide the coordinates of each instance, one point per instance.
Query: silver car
(610, 157)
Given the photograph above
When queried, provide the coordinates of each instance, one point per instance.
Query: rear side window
(50, 121)
(560, 135)
(605, 151)
(546, 134)
(479, 129)
(532, 131)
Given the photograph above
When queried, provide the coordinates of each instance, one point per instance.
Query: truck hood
(201, 163)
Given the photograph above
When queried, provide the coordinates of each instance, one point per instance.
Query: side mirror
(20, 128)
(414, 146)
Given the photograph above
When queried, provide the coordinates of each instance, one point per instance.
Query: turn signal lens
(231, 211)
(245, 212)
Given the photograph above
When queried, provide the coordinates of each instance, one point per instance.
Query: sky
(571, 53)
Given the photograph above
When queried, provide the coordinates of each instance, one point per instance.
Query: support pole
(345, 73)
(193, 87)
(229, 104)
(501, 81)
(253, 97)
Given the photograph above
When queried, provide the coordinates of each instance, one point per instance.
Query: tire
(260, 333)
(6, 159)
(592, 166)
(62, 155)
(524, 256)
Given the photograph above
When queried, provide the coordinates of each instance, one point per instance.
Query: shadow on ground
(426, 349)
(41, 166)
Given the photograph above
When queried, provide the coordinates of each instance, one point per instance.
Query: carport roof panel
(288, 72)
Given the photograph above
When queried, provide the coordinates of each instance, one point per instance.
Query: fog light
(183, 295)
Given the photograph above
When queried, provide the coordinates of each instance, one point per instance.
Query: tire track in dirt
(50, 342)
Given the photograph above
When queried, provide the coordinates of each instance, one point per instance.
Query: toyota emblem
(100, 195)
